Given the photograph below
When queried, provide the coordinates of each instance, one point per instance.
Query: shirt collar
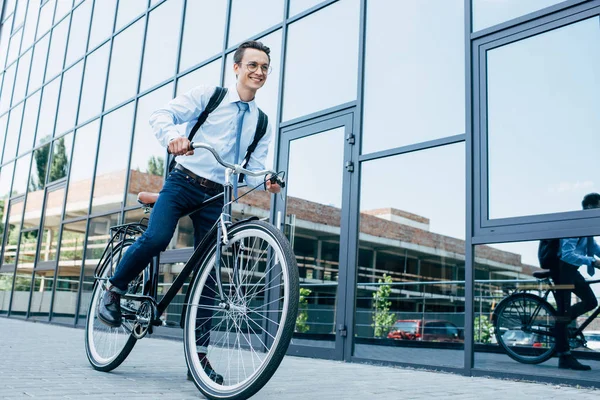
(234, 96)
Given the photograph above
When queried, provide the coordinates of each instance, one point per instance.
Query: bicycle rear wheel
(248, 334)
(524, 327)
(106, 347)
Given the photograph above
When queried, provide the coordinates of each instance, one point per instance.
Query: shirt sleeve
(182, 109)
(258, 158)
(569, 254)
(596, 248)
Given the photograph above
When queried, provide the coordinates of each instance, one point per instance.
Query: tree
(483, 329)
(41, 163)
(301, 320)
(383, 319)
(60, 162)
(156, 165)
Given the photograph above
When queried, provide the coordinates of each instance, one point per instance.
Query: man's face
(252, 59)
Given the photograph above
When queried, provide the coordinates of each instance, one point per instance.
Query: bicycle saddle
(147, 199)
(541, 274)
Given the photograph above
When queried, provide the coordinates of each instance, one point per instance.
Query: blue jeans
(180, 195)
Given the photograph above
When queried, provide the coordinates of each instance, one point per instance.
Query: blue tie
(242, 108)
(590, 252)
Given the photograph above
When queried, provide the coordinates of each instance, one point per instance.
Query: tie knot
(243, 107)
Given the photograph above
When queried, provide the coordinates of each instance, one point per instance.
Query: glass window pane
(160, 54)
(25, 262)
(22, 77)
(6, 175)
(31, 23)
(491, 12)
(47, 112)
(538, 89)
(111, 170)
(20, 13)
(14, 47)
(52, 216)
(247, 20)
(62, 8)
(7, 87)
(333, 44)
(38, 65)
(39, 168)
(209, 75)
(267, 97)
(425, 72)
(69, 269)
(124, 64)
(4, 41)
(10, 7)
(6, 284)
(13, 231)
(297, 6)
(12, 133)
(78, 36)
(58, 45)
(3, 123)
(212, 14)
(41, 293)
(46, 17)
(128, 10)
(21, 176)
(94, 83)
(69, 98)
(98, 236)
(32, 106)
(61, 157)
(102, 22)
(82, 169)
(412, 256)
(148, 156)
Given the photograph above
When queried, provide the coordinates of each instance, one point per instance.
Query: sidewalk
(48, 361)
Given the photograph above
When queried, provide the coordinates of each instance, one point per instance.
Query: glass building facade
(426, 145)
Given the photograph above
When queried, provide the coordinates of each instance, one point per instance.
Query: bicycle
(524, 324)
(243, 273)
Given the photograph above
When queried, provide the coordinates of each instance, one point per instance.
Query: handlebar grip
(275, 179)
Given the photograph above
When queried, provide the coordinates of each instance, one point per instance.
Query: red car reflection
(428, 330)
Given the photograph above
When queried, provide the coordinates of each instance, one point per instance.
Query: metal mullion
(225, 41)
(85, 53)
(82, 272)
(448, 140)
(135, 106)
(3, 236)
(128, 24)
(311, 10)
(257, 36)
(59, 237)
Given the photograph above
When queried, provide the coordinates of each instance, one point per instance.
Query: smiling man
(230, 129)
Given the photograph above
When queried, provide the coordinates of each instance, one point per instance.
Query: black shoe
(109, 310)
(568, 361)
(208, 370)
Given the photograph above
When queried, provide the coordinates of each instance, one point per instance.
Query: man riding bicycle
(230, 129)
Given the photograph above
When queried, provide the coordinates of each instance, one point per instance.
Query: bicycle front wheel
(246, 335)
(524, 327)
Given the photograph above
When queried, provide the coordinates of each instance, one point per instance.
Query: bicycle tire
(93, 327)
(243, 242)
(512, 316)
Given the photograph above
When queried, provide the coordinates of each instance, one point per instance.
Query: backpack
(548, 251)
(213, 103)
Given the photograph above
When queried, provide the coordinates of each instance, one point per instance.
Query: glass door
(317, 160)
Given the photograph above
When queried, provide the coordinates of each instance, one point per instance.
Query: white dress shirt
(219, 131)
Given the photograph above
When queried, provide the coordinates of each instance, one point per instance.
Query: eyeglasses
(253, 67)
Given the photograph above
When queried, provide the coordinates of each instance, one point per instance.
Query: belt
(200, 180)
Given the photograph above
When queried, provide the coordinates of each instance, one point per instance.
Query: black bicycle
(245, 278)
(524, 323)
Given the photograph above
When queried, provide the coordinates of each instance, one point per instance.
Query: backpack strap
(261, 130)
(214, 102)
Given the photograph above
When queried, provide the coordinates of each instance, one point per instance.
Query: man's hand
(180, 147)
(272, 187)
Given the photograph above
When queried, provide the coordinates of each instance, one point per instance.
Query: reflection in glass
(78, 35)
(148, 156)
(94, 83)
(39, 168)
(41, 293)
(13, 230)
(45, 127)
(58, 45)
(22, 77)
(6, 281)
(80, 179)
(331, 37)
(213, 20)
(312, 224)
(27, 250)
(124, 63)
(32, 105)
(97, 238)
(12, 132)
(69, 98)
(208, 75)
(61, 156)
(21, 176)
(102, 21)
(52, 216)
(242, 28)
(38, 65)
(69, 268)
(111, 169)
(6, 175)
(46, 17)
(160, 53)
(539, 90)
(491, 12)
(410, 271)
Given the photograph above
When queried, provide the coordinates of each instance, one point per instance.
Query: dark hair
(250, 44)
(591, 200)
